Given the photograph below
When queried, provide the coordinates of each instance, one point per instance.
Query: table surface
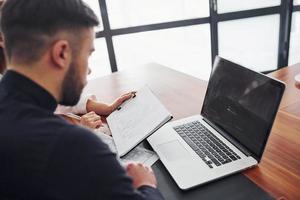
(279, 170)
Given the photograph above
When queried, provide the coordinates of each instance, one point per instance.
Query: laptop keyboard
(209, 148)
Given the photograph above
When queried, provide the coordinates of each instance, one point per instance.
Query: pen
(133, 95)
(73, 116)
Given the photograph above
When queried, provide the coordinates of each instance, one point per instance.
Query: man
(47, 45)
(88, 106)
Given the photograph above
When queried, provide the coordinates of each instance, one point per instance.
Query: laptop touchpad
(173, 151)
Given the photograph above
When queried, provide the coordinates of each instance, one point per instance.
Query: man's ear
(61, 53)
(1, 40)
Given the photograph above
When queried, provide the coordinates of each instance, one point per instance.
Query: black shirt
(44, 157)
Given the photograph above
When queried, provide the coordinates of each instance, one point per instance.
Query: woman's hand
(105, 109)
(121, 100)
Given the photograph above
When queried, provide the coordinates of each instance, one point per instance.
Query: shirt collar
(21, 84)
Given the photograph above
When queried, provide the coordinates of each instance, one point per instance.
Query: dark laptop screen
(243, 103)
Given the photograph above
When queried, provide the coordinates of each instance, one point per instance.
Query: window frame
(285, 10)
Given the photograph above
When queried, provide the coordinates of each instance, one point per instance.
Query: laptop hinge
(230, 139)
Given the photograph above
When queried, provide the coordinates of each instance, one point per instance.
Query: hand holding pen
(90, 119)
(118, 102)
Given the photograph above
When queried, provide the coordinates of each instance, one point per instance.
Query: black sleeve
(83, 167)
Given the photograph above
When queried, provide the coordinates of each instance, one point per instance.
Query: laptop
(231, 132)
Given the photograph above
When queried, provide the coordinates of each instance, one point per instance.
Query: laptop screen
(243, 103)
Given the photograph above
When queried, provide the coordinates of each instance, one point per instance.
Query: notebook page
(136, 119)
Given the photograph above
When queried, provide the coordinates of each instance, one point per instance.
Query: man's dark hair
(29, 25)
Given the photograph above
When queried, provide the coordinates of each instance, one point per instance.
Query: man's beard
(71, 87)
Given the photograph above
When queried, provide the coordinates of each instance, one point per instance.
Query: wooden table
(279, 170)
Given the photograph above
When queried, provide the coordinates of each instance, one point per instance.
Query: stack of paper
(138, 154)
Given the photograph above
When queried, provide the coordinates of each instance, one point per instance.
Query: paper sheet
(142, 155)
(137, 119)
(138, 154)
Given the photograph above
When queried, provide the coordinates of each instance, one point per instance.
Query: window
(251, 42)
(187, 34)
(295, 39)
(99, 62)
(234, 5)
(184, 49)
(127, 13)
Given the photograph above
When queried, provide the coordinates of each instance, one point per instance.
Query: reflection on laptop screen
(242, 103)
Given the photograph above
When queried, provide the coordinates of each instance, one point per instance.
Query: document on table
(138, 154)
(142, 155)
(137, 119)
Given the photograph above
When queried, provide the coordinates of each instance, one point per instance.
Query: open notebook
(138, 118)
